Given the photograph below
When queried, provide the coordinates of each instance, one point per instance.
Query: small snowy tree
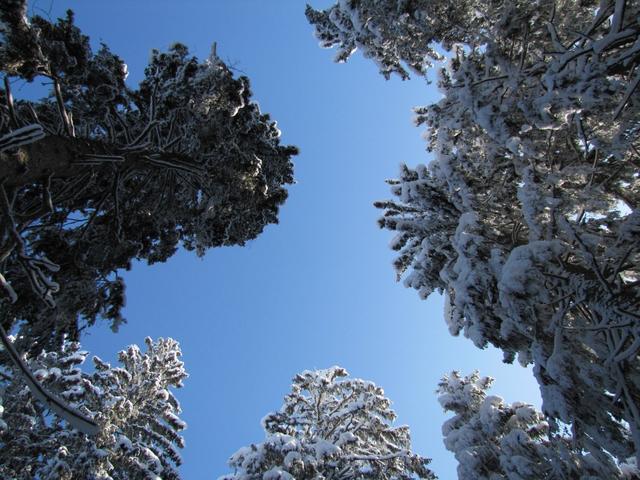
(527, 217)
(99, 174)
(331, 427)
(494, 440)
(133, 405)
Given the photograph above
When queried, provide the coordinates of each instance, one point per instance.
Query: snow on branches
(21, 136)
(495, 440)
(132, 404)
(100, 174)
(334, 427)
(527, 218)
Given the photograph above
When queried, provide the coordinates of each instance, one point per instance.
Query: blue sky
(318, 289)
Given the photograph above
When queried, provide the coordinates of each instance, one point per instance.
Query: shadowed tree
(100, 174)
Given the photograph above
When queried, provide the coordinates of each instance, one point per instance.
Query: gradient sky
(316, 290)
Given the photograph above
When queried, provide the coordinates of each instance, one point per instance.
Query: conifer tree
(527, 218)
(100, 174)
(132, 404)
(494, 440)
(331, 427)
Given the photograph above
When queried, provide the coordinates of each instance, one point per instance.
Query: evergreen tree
(133, 406)
(527, 217)
(331, 427)
(99, 174)
(495, 440)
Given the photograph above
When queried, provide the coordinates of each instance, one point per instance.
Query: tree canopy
(99, 174)
(492, 439)
(333, 427)
(139, 428)
(527, 217)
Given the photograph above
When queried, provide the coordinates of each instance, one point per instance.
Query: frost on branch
(495, 440)
(99, 174)
(368, 26)
(527, 217)
(49, 400)
(331, 426)
(133, 405)
(21, 136)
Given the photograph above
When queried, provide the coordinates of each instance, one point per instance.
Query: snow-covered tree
(331, 427)
(100, 174)
(494, 440)
(133, 405)
(390, 32)
(527, 217)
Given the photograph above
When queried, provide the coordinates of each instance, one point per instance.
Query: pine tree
(133, 405)
(98, 174)
(527, 217)
(331, 427)
(495, 440)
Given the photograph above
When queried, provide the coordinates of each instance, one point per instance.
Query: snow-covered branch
(54, 403)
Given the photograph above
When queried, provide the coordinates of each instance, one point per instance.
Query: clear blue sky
(318, 289)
